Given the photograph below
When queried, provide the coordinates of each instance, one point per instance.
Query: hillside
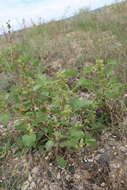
(63, 103)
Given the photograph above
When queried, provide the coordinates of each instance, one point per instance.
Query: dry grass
(86, 37)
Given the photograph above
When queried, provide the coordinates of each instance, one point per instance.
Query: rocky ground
(100, 168)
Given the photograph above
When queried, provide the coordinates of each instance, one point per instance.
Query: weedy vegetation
(63, 83)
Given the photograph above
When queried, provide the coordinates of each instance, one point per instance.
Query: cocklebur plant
(44, 108)
(50, 113)
(101, 79)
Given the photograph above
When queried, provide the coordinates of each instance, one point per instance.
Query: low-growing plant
(108, 91)
(50, 113)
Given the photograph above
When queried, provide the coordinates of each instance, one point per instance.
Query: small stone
(25, 186)
(68, 177)
(115, 165)
(103, 159)
(123, 149)
(49, 173)
(87, 164)
(71, 169)
(77, 176)
(35, 170)
(86, 175)
(39, 181)
(58, 176)
(15, 150)
(115, 153)
(46, 158)
(103, 185)
(41, 184)
(30, 178)
(33, 186)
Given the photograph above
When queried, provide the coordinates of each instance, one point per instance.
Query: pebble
(35, 170)
(103, 159)
(30, 178)
(86, 175)
(87, 164)
(25, 186)
(123, 149)
(103, 185)
(115, 165)
(46, 158)
(49, 174)
(33, 186)
(115, 153)
(77, 176)
(39, 181)
(71, 169)
(58, 176)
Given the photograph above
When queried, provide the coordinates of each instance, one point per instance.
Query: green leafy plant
(45, 109)
(50, 111)
(61, 162)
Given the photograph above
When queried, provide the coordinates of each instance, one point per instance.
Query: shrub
(50, 112)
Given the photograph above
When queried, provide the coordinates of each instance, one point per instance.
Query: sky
(32, 10)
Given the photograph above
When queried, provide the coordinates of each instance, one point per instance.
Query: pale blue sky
(17, 10)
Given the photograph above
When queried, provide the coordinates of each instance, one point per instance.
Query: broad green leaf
(88, 69)
(49, 145)
(75, 133)
(41, 117)
(91, 142)
(45, 93)
(43, 80)
(29, 140)
(71, 73)
(36, 87)
(57, 134)
(112, 62)
(78, 104)
(86, 83)
(115, 91)
(61, 162)
(72, 143)
(5, 118)
(20, 125)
